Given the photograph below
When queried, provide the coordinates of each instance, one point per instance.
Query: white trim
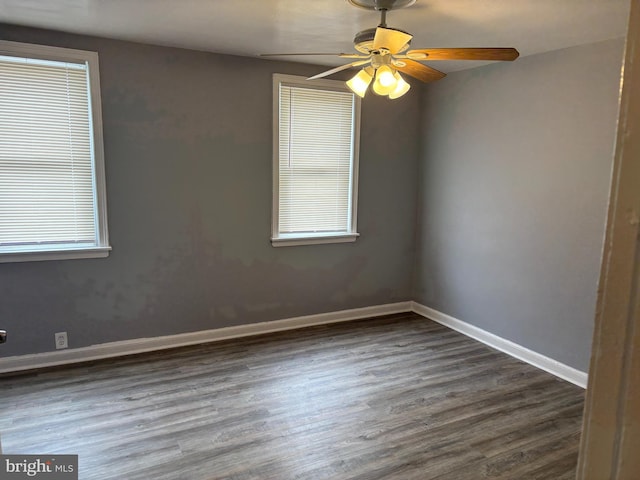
(314, 239)
(69, 254)
(129, 347)
(44, 52)
(99, 175)
(538, 360)
(275, 147)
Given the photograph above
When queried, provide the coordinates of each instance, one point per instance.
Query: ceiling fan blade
(339, 69)
(308, 53)
(419, 71)
(503, 54)
(392, 40)
(353, 55)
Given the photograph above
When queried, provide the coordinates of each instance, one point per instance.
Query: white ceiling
(251, 27)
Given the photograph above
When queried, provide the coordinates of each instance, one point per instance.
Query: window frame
(294, 239)
(24, 253)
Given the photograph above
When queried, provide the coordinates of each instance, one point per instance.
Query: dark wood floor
(398, 397)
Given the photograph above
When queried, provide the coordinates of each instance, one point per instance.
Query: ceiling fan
(383, 53)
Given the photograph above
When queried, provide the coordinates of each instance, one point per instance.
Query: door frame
(610, 444)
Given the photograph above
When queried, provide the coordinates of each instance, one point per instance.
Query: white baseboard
(538, 360)
(141, 345)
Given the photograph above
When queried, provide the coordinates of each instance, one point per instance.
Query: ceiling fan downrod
(383, 18)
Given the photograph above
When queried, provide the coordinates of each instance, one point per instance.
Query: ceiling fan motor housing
(363, 41)
(381, 4)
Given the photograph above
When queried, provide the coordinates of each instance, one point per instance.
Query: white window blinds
(316, 139)
(47, 191)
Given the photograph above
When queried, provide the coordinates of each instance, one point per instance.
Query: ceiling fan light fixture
(402, 87)
(385, 81)
(385, 75)
(360, 82)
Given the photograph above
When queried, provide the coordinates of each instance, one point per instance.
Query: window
(52, 192)
(315, 165)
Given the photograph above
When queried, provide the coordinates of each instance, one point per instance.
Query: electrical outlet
(61, 340)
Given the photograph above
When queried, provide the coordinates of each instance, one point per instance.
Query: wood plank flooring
(397, 397)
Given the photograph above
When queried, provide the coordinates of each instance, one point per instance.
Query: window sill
(296, 240)
(53, 254)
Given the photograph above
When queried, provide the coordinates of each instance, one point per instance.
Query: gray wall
(513, 163)
(188, 164)
(515, 173)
